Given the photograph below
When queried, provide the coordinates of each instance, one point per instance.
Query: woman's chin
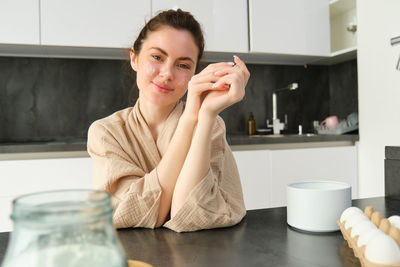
(163, 101)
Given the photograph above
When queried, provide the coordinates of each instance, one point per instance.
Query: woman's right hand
(201, 83)
(228, 90)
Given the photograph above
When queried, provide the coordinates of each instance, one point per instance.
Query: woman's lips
(163, 88)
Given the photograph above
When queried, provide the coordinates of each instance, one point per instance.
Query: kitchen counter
(289, 138)
(262, 239)
(77, 148)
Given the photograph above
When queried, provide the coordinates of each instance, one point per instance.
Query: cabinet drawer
(28, 176)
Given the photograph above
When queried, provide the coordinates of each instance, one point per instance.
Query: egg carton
(135, 263)
(382, 224)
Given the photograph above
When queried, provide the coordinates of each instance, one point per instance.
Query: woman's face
(165, 64)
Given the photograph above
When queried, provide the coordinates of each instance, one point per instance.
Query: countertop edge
(43, 155)
(82, 153)
(77, 148)
(281, 146)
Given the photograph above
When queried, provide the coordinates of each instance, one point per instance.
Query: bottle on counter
(251, 124)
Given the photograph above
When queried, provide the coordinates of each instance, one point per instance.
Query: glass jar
(68, 228)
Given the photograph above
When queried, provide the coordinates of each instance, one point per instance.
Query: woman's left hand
(227, 90)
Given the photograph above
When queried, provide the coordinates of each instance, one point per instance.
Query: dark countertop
(31, 147)
(288, 138)
(262, 239)
(80, 145)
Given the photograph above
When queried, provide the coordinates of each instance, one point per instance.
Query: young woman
(166, 162)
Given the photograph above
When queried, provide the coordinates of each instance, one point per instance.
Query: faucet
(276, 124)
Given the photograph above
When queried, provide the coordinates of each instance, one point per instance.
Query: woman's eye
(184, 66)
(156, 57)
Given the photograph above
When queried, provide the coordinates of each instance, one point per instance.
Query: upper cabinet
(297, 27)
(343, 26)
(259, 31)
(19, 22)
(343, 32)
(92, 23)
(224, 22)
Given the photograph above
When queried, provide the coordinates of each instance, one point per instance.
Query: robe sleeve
(135, 193)
(217, 200)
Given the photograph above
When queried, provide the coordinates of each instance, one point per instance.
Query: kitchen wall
(47, 99)
(379, 90)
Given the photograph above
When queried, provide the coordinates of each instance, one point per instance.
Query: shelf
(338, 57)
(343, 52)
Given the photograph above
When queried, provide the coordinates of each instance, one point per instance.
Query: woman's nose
(166, 71)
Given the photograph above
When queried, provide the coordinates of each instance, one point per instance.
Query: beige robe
(125, 158)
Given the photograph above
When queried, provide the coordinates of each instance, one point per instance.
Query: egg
(382, 249)
(368, 211)
(348, 213)
(395, 221)
(367, 235)
(385, 226)
(357, 218)
(376, 218)
(362, 227)
(395, 234)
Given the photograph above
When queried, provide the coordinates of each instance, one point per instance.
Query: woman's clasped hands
(216, 87)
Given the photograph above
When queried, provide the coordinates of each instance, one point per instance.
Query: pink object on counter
(330, 122)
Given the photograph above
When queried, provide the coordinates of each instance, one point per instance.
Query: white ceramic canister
(316, 205)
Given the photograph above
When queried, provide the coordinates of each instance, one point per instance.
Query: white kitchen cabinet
(92, 23)
(254, 175)
(297, 27)
(224, 22)
(264, 174)
(259, 31)
(19, 22)
(20, 177)
(328, 163)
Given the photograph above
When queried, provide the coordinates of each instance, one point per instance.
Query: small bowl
(315, 206)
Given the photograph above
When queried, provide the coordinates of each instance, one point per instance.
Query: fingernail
(231, 63)
(235, 56)
(227, 85)
(214, 85)
(217, 72)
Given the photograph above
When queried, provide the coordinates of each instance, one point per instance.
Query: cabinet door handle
(351, 27)
(395, 40)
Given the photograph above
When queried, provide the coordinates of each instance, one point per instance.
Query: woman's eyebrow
(165, 53)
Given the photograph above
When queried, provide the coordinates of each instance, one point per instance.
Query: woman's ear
(133, 60)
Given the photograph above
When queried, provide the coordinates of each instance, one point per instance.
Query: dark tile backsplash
(323, 91)
(309, 102)
(57, 99)
(45, 99)
(343, 89)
